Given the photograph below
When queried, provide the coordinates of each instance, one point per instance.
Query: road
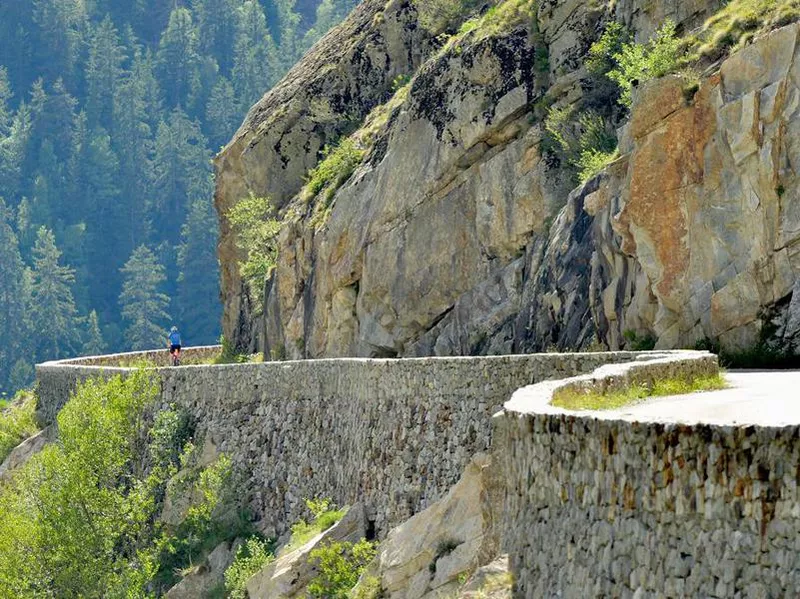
(766, 398)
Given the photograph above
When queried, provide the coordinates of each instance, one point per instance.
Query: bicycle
(175, 356)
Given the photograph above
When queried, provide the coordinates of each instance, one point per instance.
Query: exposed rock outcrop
(437, 550)
(458, 235)
(289, 575)
(694, 233)
(327, 94)
(23, 452)
(207, 576)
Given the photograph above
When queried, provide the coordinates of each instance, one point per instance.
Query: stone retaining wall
(394, 433)
(602, 506)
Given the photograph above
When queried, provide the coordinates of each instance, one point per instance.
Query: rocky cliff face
(458, 234)
(693, 233)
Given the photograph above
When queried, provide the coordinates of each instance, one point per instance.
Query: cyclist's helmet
(174, 330)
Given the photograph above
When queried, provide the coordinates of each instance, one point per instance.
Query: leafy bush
(79, 519)
(337, 165)
(324, 515)
(602, 53)
(583, 141)
(439, 16)
(204, 527)
(251, 557)
(17, 422)
(637, 63)
(257, 227)
(76, 520)
(340, 565)
(592, 162)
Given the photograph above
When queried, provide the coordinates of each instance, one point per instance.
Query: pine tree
(289, 50)
(102, 72)
(198, 283)
(6, 95)
(107, 218)
(181, 170)
(223, 114)
(13, 150)
(256, 65)
(54, 315)
(13, 297)
(133, 143)
(142, 305)
(216, 22)
(94, 345)
(178, 59)
(21, 376)
(60, 23)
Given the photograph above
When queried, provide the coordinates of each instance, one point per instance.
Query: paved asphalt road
(754, 397)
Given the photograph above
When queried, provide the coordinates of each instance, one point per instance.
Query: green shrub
(340, 565)
(323, 515)
(637, 63)
(635, 342)
(399, 82)
(251, 557)
(17, 422)
(369, 588)
(77, 519)
(229, 355)
(592, 162)
(582, 142)
(256, 225)
(337, 165)
(439, 16)
(601, 54)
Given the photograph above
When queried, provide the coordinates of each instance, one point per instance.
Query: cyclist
(174, 344)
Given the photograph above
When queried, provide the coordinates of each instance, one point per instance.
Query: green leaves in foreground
(340, 565)
(80, 518)
(71, 520)
(253, 555)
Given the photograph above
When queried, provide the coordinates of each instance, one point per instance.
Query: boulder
(23, 452)
(204, 578)
(289, 575)
(435, 551)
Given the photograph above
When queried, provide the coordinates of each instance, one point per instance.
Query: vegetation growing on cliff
(738, 22)
(336, 167)
(17, 422)
(79, 519)
(257, 227)
(252, 556)
(637, 63)
(340, 565)
(323, 515)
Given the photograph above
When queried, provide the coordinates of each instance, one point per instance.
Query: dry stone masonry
(603, 506)
(394, 434)
(592, 504)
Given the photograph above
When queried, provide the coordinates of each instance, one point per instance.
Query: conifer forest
(110, 114)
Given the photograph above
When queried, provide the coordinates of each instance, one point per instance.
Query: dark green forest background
(110, 112)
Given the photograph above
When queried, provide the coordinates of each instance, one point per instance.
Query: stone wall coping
(90, 362)
(536, 399)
